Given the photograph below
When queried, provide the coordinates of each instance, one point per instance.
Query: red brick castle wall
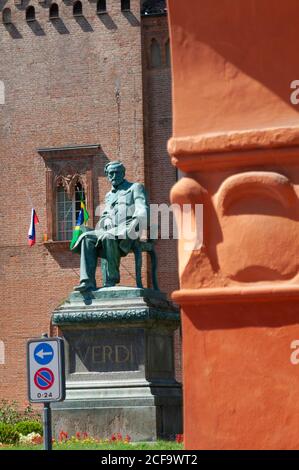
(68, 82)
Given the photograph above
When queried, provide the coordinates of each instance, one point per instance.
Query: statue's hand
(107, 224)
(141, 232)
(133, 225)
(107, 235)
(143, 235)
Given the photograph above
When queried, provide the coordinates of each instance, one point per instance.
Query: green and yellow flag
(82, 219)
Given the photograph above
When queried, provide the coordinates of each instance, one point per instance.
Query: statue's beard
(115, 184)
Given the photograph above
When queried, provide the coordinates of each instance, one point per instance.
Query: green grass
(158, 445)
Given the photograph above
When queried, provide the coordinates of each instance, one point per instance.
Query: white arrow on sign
(43, 353)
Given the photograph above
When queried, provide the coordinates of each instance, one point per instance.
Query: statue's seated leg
(110, 255)
(138, 264)
(88, 262)
(104, 268)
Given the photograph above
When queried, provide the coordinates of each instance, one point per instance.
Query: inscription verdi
(117, 354)
(106, 350)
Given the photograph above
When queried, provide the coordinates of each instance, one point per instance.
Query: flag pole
(29, 198)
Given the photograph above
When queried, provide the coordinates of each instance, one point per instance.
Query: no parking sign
(46, 374)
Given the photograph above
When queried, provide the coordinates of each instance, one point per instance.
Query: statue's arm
(141, 212)
(102, 219)
(105, 218)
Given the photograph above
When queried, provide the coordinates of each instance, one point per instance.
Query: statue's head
(115, 172)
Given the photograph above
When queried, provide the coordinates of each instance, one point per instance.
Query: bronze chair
(149, 247)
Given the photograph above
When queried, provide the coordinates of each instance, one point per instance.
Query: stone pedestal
(119, 364)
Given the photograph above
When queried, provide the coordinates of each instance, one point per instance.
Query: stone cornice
(72, 151)
(113, 316)
(237, 294)
(224, 149)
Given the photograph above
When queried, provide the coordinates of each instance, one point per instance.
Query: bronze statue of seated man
(124, 219)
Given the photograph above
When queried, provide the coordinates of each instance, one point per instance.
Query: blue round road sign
(43, 353)
(44, 378)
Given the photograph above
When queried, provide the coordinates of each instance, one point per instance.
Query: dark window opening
(6, 16)
(156, 59)
(79, 197)
(77, 9)
(101, 6)
(125, 5)
(153, 7)
(30, 13)
(54, 11)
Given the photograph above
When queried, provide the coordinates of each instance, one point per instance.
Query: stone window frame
(66, 166)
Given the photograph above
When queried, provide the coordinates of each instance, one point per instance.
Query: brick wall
(61, 85)
(73, 81)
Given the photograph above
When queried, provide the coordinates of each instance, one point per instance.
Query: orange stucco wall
(229, 51)
(236, 137)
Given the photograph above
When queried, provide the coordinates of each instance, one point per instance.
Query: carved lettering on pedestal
(106, 354)
(111, 351)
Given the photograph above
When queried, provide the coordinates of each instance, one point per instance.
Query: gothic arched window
(67, 210)
(155, 52)
(69, 179)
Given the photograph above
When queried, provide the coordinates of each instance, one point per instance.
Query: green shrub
(11, 414)
(27, 427)
(8, 434)
(30, 414)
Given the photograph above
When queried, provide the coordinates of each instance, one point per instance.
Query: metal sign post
(47, 427)
(46, 377)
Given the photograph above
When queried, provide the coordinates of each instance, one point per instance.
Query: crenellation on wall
(130, 17)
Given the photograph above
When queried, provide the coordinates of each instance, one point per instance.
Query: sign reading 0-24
(46, 370)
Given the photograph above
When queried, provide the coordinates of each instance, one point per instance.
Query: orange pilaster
(236, 137)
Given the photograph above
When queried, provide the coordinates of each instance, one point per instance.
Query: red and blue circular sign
(44, 378)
